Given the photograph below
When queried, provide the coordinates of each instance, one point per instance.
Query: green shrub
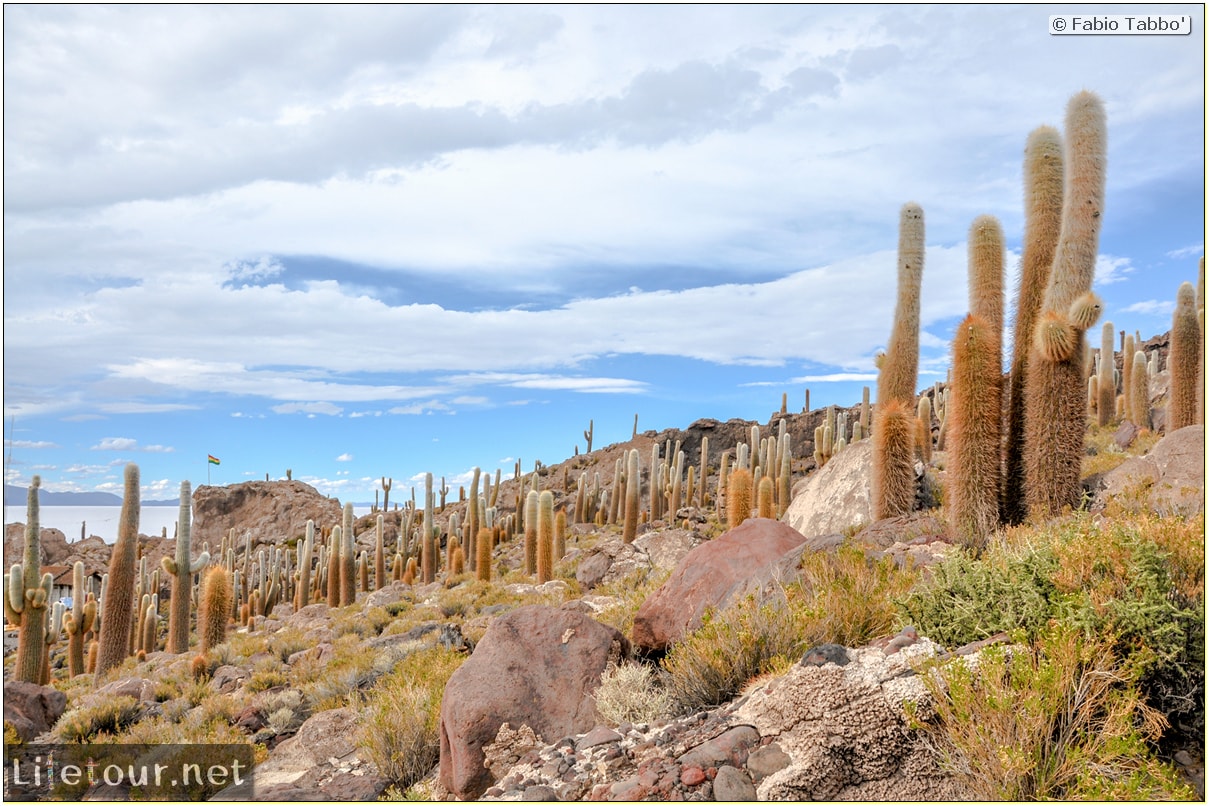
(109, 716)
(745, 640)
(846, 598)
(1057, 721)
(401, 715)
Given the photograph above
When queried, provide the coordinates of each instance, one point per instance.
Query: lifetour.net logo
(126, 771)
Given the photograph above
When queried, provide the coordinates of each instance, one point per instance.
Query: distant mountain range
(18, 496)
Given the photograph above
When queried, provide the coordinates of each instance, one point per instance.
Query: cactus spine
(118, 609)
(1106, 389)
(28, 596)
(629, 528)
(215, 608)
(182, 569)
(1043, 218)
(896, 379)
(1056, 403)
(1183, 359)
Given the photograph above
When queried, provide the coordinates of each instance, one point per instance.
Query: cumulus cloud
(344, 457)
(1152, 307)
(1111, 269)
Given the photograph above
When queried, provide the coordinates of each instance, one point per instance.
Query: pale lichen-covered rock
(845, 730)
(837, 496)
(613, 561)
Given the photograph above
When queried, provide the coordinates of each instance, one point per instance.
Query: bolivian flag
(213, 459)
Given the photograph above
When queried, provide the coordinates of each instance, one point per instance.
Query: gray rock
(764, 761)
(732, 784)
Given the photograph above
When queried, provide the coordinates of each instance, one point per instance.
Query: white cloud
(116, 444)
(1187, 251)
(344, 457)
(310, 409)
(1111, 269)
(1152, 307)
(26, 443)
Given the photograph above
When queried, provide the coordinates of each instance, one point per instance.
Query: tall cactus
(1106, 389)
(1056, 401)
(894, 471)
(214, 608)
(633, 476)
(28, 596)
(545, 537)
(1043, 183)
(483, 564)
(1139, 391)
(472, 518)
(79, 621)
(379, 554)
(348, 560)
(118, 607)
(738, 497)
(899, 368)
(428, 543)
(182, 569)
(766, 498)
(972, 496)
(1183, 360)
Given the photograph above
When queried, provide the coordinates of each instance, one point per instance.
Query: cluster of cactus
(1055, 410)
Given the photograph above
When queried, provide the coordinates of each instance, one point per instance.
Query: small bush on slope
(631, 692)
(402, 712)
(1057, 721)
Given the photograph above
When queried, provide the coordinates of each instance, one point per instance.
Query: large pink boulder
(712, 575)
(535, 666)
(32, 709)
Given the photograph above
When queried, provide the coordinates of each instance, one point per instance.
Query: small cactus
(483, 546)
(738, 497)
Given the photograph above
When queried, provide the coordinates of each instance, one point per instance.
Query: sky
(367, 241)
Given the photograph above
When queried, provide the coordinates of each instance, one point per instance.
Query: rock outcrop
(612, 560)
(536, 666)
(1170, 479)
(32, 709)
(270, 512)
(711, 575)
(837, 496)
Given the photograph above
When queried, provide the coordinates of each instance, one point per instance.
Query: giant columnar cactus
(1183, 359)
(379, 554)
(79, 621)
(214, 609)
(986, 249)
(704, 474)
(118, 607)
(1056, 402)
(1127, 352)
(1106, 389)
(545, 537)
(766, 499)
(894, 482)
(483, 545)
(677, 481)
(386, 485)
(588, 435)
(1139, 391)
(348, 560)
(182, 569)
(738, 497)
(428, 542)
(560, 534)
(333, 568)
(27, 602)
(531, 515)
(633, 475)
(972, 494)
(923, 428)
(472, 518)
(785, 476)
(896, 381)
(1042, 221)
(897, 376)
